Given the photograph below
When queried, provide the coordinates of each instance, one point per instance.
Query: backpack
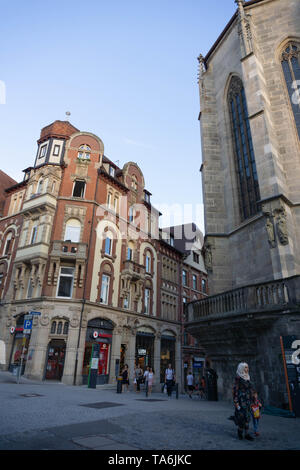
(255, 411)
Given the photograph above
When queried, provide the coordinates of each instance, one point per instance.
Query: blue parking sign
(27, 324)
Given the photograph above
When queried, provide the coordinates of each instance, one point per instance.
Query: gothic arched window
(244, 153)
(290, 60)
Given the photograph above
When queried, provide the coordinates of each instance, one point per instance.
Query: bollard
(119, 384)
(146, 388)
(176, 391)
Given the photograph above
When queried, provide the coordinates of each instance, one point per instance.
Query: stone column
(37, 352)
(130, 356)
(157, 348)
(178, 362)
(115, 353)
(70, 357)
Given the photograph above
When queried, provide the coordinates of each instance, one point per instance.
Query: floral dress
(242, 396)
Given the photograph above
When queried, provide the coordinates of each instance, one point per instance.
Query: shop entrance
(99, 331)
(144, 352)
(167, 355)
(55, 359)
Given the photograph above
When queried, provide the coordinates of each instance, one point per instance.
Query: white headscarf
(241, 371)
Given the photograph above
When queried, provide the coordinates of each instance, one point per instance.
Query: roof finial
(240, 4)
(68, 114)
(202, 66)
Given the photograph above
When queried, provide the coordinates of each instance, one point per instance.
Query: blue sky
(127, 71)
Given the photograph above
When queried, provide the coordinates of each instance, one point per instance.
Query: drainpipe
(86, 272)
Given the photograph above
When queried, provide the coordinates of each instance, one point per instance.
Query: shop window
(65, 284)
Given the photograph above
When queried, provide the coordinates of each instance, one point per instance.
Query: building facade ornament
(208, 257)
(281, 223)
(244, 31)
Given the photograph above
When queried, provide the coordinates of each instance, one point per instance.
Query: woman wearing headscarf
(242, 395)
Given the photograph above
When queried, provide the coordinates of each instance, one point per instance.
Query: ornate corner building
(81, 246)
(250, 133)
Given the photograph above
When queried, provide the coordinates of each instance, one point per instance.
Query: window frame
(147, 300)
(56, 154)
(103, 287)
(65, 275)
(43, 151)
(242, 142)
(33, 236)
(292, 51)
(84, 189)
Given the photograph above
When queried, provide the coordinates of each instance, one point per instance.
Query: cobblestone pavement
(53, 416)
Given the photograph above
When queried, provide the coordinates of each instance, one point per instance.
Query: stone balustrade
(270, 296)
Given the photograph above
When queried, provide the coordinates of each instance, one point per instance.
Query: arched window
(84, 152)
(40, 186)
(72, 232)
(290, 60)
(244, 153)
(7, 246)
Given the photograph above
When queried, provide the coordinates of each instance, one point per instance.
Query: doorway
(55, 359)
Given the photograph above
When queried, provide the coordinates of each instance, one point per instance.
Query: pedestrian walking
(202, 388)
(134, 378)
(255, 411)
(150, 380)
(170, 379)
(242, 396)
(146, 373)
(125, 378)
(190, 383)
(139, 378)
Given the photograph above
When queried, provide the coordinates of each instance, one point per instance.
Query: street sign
(34, 313)
(27, 325)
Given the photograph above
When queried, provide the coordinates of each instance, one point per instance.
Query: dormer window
(147, 198)
(112, 171)
(84, 152)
